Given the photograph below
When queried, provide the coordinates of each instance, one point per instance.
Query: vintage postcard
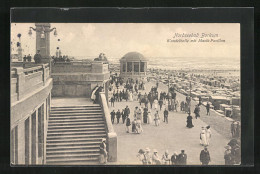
(125, 94)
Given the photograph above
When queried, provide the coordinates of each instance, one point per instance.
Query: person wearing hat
(189, 121)
(141, 155)
(157, 119)
(208, 134)
(113, 116)
(203, 138)
(174, 158)
(228, 156)
(128, 124)
(155, 157)
(232, 128)
(205, 156)
(147, 157)
(182, 158)
(103, 152)
(118, 115)
(166, 158)
(134, 126)
(37, 57)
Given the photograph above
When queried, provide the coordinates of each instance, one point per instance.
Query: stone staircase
(74, 135)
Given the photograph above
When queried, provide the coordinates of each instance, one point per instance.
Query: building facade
(30, 108)
(133, 65)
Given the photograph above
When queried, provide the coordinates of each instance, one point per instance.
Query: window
(136, 67)
(129, 66)
(142, 67)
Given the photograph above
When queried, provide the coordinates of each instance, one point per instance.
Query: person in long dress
(134, 126)
(103, 152)
(155, 104)
(145, 116)
(155, 158)
(208, 134)
(149, 120)
(139, 128)
(157, 119)
(189, 121)
(166, 158)
(130, 96)
(203, 138)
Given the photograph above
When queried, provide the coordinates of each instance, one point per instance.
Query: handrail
(32, 69)
(103, 102)
(111, 134)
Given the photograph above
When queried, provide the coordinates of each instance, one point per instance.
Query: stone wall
(30, 104)
(77, 79)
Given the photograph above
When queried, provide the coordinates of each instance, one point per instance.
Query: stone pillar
(133, 69)
(20, 82)
(21, 143)
(139, 67)
(27, 137)
(44, 74)
(43, 44)
(125, 67)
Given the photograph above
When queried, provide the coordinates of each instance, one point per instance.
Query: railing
(111, 134)
(26, 80)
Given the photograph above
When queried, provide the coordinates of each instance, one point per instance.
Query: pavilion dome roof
(133, 56)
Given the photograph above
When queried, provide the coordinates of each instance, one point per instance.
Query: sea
(186, 63)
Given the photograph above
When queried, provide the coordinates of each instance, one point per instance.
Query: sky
(117, 39)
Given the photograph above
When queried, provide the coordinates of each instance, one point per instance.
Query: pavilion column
(126, 67)
(132, 69)
(139, 68)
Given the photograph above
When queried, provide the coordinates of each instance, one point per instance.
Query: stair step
(76, 130)
(77, 125)
(79, 140)
(61, 144)
(74, 147)
(76, 106)
(74, 122)
(72, 157)
(73, 151)
(76, 111)
(77, 117)
(76, 161)
(85, 127)
(76, 137)
(75, 133)
(76, 114)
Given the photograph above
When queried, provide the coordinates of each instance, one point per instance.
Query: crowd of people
(60, 59)
(154, 107)
(148, 158)
(232, 154)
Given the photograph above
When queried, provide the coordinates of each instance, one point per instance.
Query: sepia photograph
(163, 94)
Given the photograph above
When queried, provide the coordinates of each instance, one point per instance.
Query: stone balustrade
(26, 80)
(77, 78)
(111, 134)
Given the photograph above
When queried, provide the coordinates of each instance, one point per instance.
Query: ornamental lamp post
(43, 31)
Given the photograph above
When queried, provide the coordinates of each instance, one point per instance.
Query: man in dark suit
(182, 158)
(112, 116)
(118, 115)
(127, 111)
(112, 101)
(204, 156)
(165, 113)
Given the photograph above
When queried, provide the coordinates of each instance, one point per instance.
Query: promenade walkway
(173, 136)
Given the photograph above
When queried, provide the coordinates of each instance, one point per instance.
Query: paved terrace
(173, 136)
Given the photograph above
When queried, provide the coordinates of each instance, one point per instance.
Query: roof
(133, 56)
